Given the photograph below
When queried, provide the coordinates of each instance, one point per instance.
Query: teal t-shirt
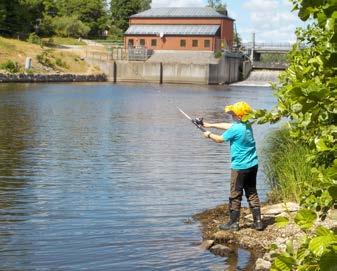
(242, 146)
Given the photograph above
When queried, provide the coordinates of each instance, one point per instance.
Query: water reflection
(102, 177)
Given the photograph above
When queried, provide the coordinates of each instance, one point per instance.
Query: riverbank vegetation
(307, 96)
(287, 173)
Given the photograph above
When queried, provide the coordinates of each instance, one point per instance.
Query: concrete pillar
(28, 64)
(253, 48)
(115, 72)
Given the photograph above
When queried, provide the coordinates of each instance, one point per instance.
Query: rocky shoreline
(57, 77)
(259, 243)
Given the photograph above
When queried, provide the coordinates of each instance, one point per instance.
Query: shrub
(45, 59)
(59, 62)
(218, 54)
(35, 39)
(10, 66)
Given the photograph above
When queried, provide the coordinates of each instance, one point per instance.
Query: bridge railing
(269, 45)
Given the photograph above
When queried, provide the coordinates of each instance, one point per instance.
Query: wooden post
(161, 73)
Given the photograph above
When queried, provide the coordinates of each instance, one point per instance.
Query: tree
(307, 97)
(21, 16)
(70, 27)
(237, 39)
(219, 6)
(121, 10)
(90, 12)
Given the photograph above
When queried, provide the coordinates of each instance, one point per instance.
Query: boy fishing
(244, 163)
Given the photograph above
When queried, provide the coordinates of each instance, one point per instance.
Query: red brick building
(198, 29)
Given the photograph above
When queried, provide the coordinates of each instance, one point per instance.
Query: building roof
(180, 12)
(183, 30)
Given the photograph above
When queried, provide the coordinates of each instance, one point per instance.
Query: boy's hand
(207, 134)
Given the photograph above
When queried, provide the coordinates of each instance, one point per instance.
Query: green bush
(307, 98)
(35, 39)
(45, 59)
(218, 54)
(10, 66)
(59, 62)
(284, 163)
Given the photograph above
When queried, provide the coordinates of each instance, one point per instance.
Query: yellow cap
(240, 109)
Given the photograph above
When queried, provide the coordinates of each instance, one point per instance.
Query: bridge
(271, 56)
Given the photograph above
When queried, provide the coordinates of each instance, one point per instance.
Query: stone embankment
(223, 243)
(58, 77)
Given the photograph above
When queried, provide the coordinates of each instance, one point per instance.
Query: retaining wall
(31, 78)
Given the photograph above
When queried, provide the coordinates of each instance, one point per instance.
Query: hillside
(44, 59)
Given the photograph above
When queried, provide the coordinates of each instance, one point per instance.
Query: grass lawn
(64, 41)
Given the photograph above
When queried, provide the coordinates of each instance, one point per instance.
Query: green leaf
(320, 145)
(296, 107)
(325, 199)
(328, 261)
(302, 253)
(332, 173)
(333, 192)
(283, 263)
(281, 221)
(319, 245)
(330, 24)
(290, 247)
(322, 231)
(305, 218)
(304, 14)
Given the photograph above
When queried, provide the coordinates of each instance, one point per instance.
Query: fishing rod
(194, 121)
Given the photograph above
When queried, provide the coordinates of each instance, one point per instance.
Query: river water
(104, 177)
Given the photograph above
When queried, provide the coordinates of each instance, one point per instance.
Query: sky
(270, 20)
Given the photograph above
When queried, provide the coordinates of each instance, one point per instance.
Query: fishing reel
(199, 121)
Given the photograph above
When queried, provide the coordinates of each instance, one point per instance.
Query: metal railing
(268, 46)
(270, 66)
(116, 53)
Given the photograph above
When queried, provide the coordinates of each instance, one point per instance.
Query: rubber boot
(233, 223)
(257, 225)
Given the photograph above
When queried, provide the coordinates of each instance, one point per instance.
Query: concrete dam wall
(229, 69)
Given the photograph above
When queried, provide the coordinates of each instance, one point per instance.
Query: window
(194, 43)
(130, 42)
(142, 42)
(206, 43)
(182, 43)
(153, 43)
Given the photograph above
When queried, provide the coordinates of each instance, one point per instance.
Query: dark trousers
(243, 180)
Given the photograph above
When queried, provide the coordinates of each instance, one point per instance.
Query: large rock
(279, 208)
(221, 250)
(276, 210)
(262, 265)
(207, 244)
